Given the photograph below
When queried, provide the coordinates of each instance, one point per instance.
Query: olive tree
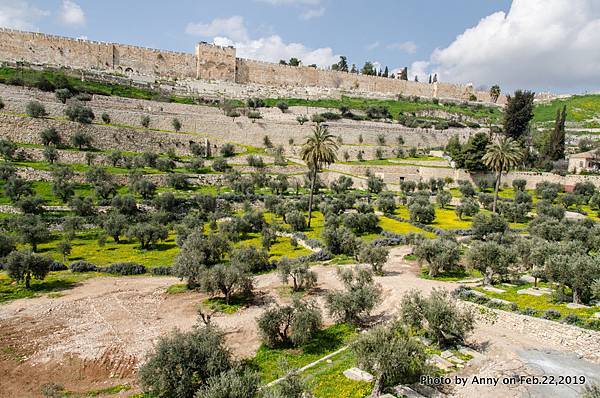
(147, 234)
(226, 279)
(197, 252)
(391, 355)
(22, 265)
(294, 324)
(357, 300)
(301, 275)
(491, 259)
(467, 207)
(439, 254)
(30, 229)
(237, 382)
(439, 314)
(375, 256)
(183, 362)
(443, 198)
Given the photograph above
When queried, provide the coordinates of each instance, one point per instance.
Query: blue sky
(520, 43)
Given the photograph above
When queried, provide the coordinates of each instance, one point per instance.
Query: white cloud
(71, 14)
(407, 46)
(540, 44)
(270, 48)
(312, 13)
(373, 46)
(20, 14)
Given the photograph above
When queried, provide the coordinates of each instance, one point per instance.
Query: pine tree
(517, 114)
(429, 79)
(435, 79)
(416, 78)
(353, 70)
(386, 72)
(404, 74)
(557, 138)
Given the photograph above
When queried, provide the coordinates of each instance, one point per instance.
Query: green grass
(580, 108)
(326, 380)
(447, 219)
(541, 303)
(97, 393)
(273, 363)
(85, 247)
(55, 282)
(451, 276)
(218, 304)
(281, 248)
(403, 228)
(177, 288)
(30, 76)
(394, 106)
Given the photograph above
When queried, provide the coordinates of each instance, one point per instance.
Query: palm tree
(500, 156)
(319, 149)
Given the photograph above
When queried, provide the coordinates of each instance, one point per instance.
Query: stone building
(585, 161)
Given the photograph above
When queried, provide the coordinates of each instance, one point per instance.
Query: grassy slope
(579, 108)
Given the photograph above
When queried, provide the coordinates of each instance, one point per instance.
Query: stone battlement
(209, 63)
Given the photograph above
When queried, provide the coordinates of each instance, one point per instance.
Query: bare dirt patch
(96, 335)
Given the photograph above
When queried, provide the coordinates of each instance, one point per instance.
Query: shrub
(35, 109)
(302, 119)
(105, 118)
(182, 362)
(551, 314)
(145, 121)
(80, 113)
(572, 319)
(125, 269)
(83, 266)
(439, 314)
(227, 150)
(283, 106)
(162, 271)
(1, 104)
(295, 324)
(176, 124)
(63, 94)
(254, 116)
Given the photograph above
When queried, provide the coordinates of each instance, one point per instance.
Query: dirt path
(95, 334)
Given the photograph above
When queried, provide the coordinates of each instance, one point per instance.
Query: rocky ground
(96, 334)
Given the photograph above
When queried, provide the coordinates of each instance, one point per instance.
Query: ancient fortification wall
(38, 48)
(208, 63)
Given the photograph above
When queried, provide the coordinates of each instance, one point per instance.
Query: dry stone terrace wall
(212, 123)
(208, 63)
(26, 130)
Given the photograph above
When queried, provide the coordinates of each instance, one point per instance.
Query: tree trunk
(28, 280)
(535, 279)
(576, 297)
(377, 388)
(487, 276)
(497, 189)
(310, 198)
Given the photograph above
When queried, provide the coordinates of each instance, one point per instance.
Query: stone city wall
(39, 48)
(208, 63)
